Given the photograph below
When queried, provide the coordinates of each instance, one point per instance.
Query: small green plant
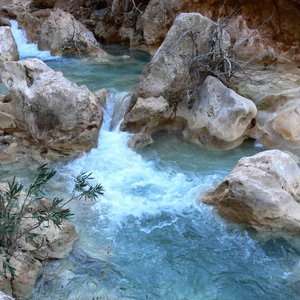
(19, 204)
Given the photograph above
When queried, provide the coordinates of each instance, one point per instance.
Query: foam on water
(148, 237)
(133, 185)
(26, 49)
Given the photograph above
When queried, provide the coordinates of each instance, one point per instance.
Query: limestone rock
(8, 46)
(78, 8)
(167, 74)
(157, 18)
(147, 108)
(6, 121)
(28, 270)
(62, 34)
(102, 95)
(218, 118)
(249, 44)
(198, 111)
(56, 113)
(262, 191)
(279, 119)
(50, 242)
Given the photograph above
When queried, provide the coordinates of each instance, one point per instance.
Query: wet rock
(262, 191)
(140, 140)
(102, 96)
(62, 34)
(55, 113)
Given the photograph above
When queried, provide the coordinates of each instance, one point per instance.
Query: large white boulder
(219, 117)
(203, 110)
(56, 113)
(262, 191)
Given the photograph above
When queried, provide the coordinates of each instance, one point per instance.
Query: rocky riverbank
(220, 74)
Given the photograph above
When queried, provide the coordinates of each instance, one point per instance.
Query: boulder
(49, 241)
(278, 119)
(54, 112)
(62, 34)
(8, 46)
(262, 191)
(218, 118)
(28, 270)
(168, 73)
(195, 106)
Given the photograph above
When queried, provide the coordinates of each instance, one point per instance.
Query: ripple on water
(150, 238)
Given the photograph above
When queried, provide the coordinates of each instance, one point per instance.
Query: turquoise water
(150, 237)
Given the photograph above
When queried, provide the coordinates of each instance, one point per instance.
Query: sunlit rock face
(262, 191)
(167, 98)
(55, 113)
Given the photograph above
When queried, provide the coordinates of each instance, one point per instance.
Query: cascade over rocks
(40, 98)
(167, 97)
(262, 191)
(62, 34)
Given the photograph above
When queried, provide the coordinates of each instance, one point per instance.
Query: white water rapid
(25, 48)
(149, 237)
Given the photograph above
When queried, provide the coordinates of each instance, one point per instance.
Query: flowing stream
(150, 237)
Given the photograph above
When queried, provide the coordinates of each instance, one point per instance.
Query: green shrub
(18, 203)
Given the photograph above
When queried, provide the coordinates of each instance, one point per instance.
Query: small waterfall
(133, 186)
(26, 49)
